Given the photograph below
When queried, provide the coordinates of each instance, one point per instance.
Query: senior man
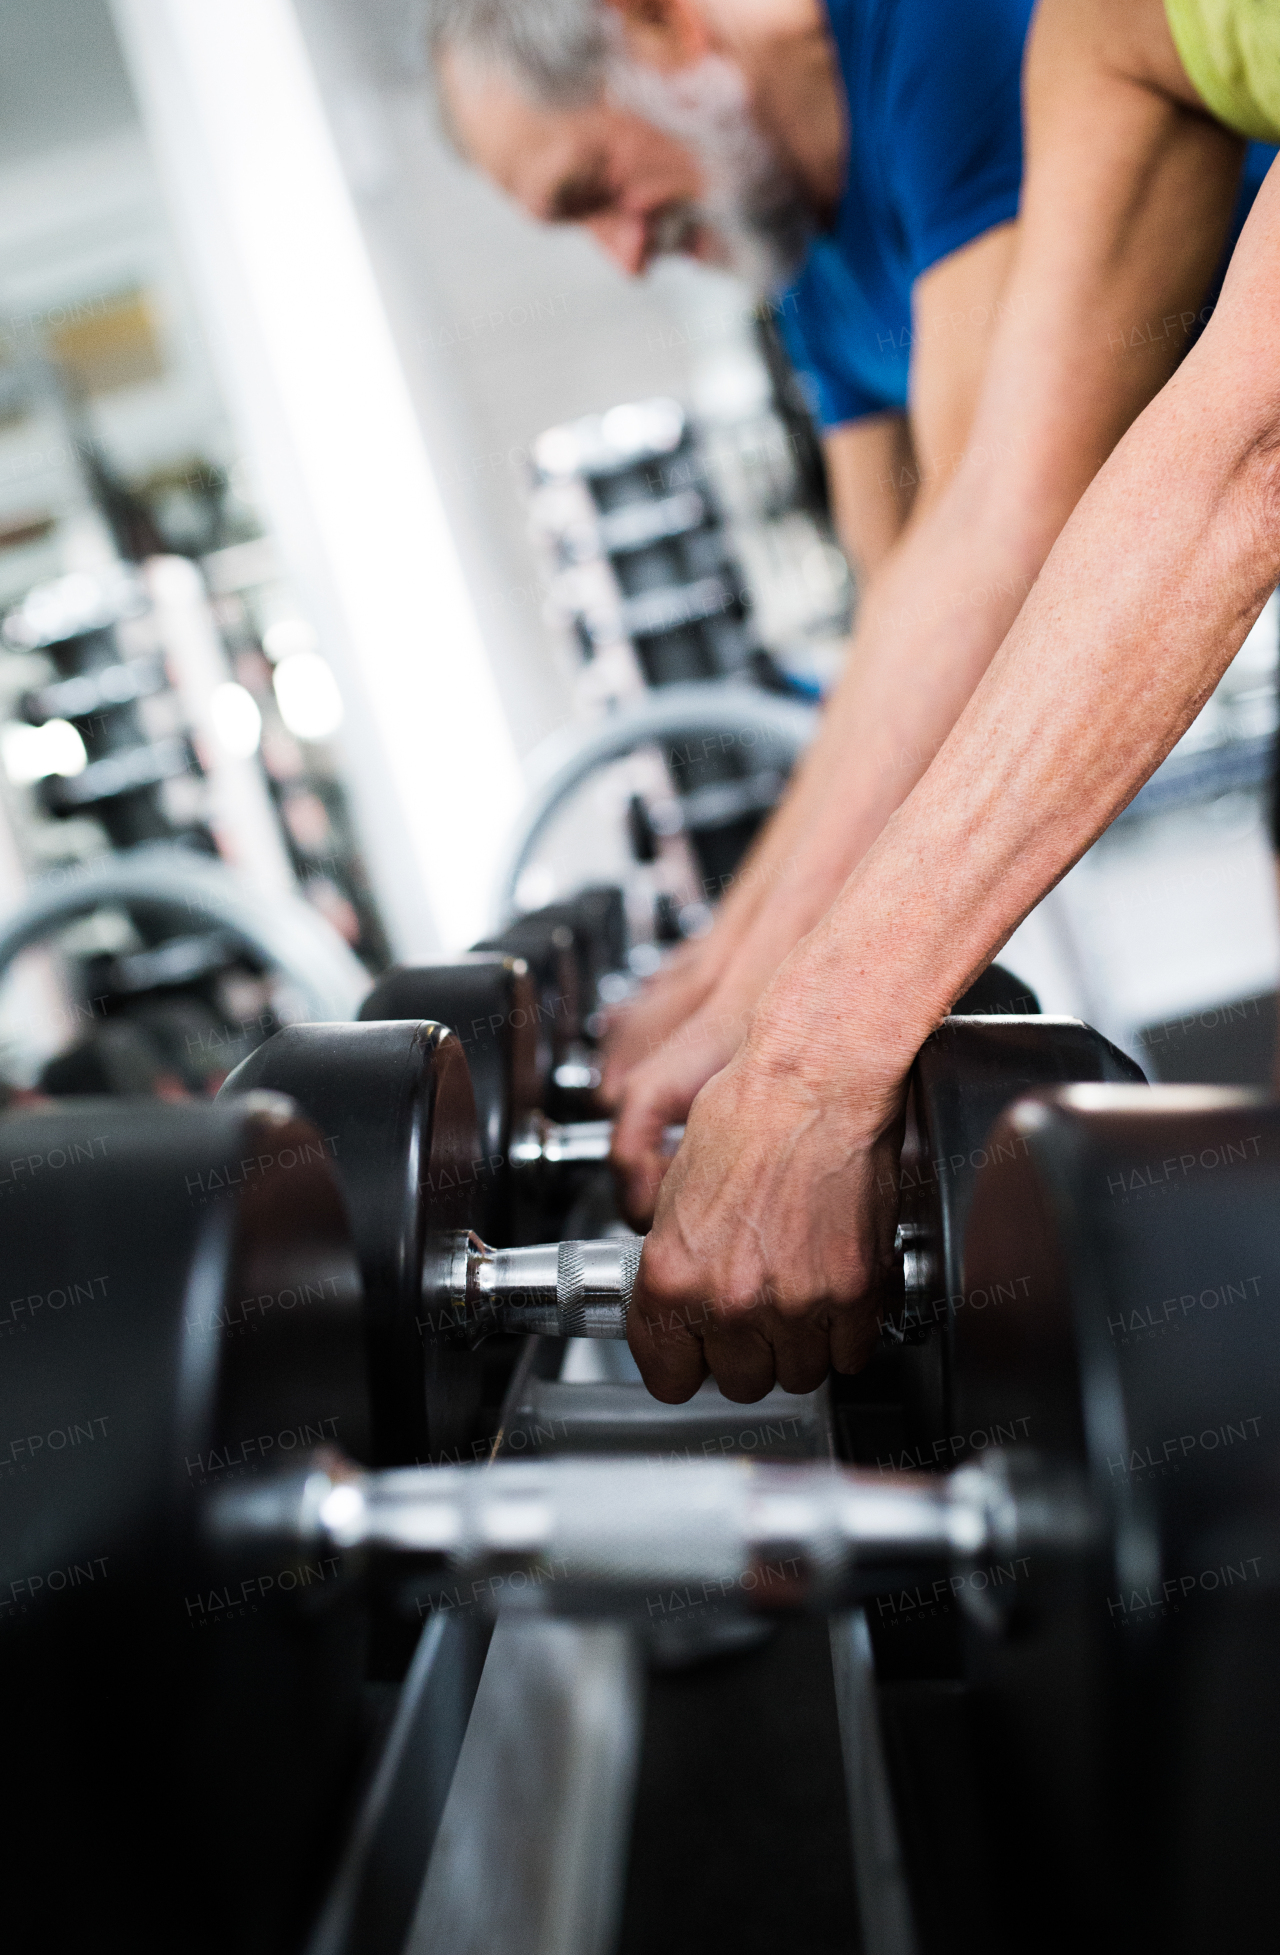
(775, 1224)
(879, 137)
(775, 138)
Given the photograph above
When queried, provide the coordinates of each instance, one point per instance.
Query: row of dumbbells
(295, 1272)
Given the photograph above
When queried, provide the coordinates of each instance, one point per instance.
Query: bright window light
(32, 753)
(236, 719)
(536, 887)
(331, 429)
(308, 697)
(288, 635)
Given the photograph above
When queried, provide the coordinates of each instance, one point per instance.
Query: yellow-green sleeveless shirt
(1231, 51)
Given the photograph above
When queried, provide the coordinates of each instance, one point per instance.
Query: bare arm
(872, 474)
(775, 1225)
(1121, 233)
(1126, 205)
(890, 468)
(1146, 598)
(881, 470)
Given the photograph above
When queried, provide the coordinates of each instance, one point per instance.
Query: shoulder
(948, 107)
(947, 72)
(945, 45)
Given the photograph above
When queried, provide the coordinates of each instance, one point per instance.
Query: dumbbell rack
(989, 1710)
(545, 1415)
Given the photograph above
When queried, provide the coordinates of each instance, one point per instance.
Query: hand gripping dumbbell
(393, 1101)
(509, 1010)
(391, 1094)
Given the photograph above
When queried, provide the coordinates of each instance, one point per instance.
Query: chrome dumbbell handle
(605, 1534)
(555, 1289)
(548, 1289)
(539, 1142)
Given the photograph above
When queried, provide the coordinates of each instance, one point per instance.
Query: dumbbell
(959, 1085)
(504, 1020)
(393, 1103)
(508, 1027)
(568, 948)
(564, 951)
(187, 1308)
(1124, 1245)
(964, 1076)
(392, 1098)
(530, 1161)
(181, 1306)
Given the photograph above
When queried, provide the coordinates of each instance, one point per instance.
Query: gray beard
(755, 208)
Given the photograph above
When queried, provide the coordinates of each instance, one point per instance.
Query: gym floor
(739, 1752)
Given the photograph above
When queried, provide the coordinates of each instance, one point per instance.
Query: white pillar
(308, 363)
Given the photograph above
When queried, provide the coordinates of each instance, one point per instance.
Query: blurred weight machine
(687, 550)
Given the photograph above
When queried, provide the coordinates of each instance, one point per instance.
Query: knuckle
(664, 1276)
(735, 1302)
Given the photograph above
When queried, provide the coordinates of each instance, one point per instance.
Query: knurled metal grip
(594, 1281)
(553, 1289)
(571, 1289)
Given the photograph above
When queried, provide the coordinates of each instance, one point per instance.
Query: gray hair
(557, 51)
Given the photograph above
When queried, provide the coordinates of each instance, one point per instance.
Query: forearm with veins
(1146, 598)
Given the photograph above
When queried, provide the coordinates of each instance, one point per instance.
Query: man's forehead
(521, 144)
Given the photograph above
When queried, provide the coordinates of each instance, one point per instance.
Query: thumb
(639, 1155)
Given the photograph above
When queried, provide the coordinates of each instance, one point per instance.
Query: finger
(638, 1189)
(801, 1352)
(666, 1348)
(637, 1131)
(741, 1361)
(638, 1156)
(854, 1336)
(613, 1083)
(619, 1063)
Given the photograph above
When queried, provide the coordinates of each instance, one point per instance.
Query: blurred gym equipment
(168, 887)
(700, 729)
(153, 840)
